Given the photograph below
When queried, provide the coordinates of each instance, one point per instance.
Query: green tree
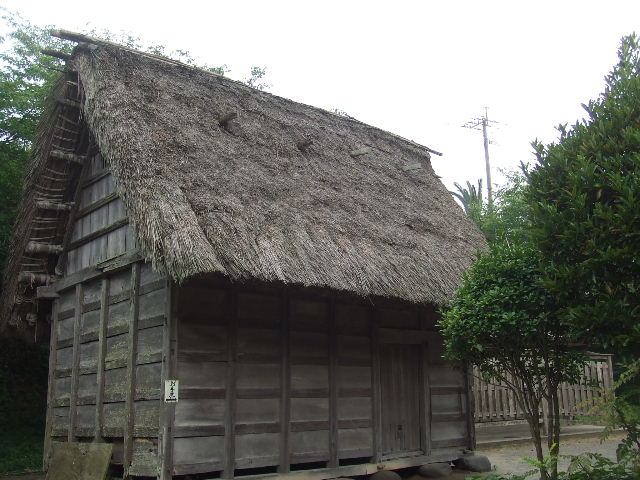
(471, 200)
(502, 321)
(585, 213)
(507, 219)
(26, 75)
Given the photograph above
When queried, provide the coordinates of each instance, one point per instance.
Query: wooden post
(53, 350)
(333, 386)
(75, 374)
(375, 390)
(230, 399)
(169, 366)
(285, 387)
(102, 349)
(425, 394)
(471, 427)
(132, 350)
(609, 383)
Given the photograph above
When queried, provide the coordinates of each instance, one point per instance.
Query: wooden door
(400, 398)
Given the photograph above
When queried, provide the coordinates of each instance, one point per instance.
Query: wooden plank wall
(282, 380)
(92, 398)
(108, 338)
(450, 403)
(100, 229)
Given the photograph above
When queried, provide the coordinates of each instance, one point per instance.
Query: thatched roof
(249, 202)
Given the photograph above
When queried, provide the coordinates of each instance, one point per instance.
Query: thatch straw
(244, 200)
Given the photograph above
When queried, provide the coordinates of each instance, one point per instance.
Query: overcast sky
(420, 69)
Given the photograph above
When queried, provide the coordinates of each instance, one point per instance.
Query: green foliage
(471, 200)
(586, 215)
(502, 318)
(23, 386)
(507, 219)
(503, 322)
(589, 466)
(25, 77)
(255, 78)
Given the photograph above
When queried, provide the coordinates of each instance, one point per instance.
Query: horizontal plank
(309, 426)
(354, 423)
(81, 276)
(253, 428)
(404, 337)
(194, 468)
(259, 358)
(96, 205)
(62, 372)
(447, 417)
(453, 442)
(91, 306)
(98, 233)
(258, 393)
(354, 453)
(184, 431)
(446, 390)
(309, 392)
(255, 462)
(96, 177)
(354, 392)
(354, 362)
(190, 393)
(67, 342)
(308, 457)
(120, 262)
(64, 314)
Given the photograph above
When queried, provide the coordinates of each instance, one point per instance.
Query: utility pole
(475, 124)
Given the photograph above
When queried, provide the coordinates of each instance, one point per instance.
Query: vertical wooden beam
(425, 393)
(169, 368)
(75, 365)
(285, 387)
(132, 351)
(375, 388)
(230, 398)
(333, 385)
(53, 350)
(471, 426)
(102, 350)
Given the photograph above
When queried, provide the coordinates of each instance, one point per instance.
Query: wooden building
(283, 263)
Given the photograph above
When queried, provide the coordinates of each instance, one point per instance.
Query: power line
(482, 123)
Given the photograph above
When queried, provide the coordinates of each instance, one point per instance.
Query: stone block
(435, 470)
(474, 463)
(79, 461)
(385, 475)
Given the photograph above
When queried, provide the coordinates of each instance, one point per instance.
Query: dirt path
(507, 459)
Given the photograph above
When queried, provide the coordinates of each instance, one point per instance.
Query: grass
(23, 387)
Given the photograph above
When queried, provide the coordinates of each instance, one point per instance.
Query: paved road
(508, 458)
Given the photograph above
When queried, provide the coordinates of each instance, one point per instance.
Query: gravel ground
(507, 459)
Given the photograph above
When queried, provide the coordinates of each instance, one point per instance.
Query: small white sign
(171, 391)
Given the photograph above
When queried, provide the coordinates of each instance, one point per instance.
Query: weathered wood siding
(100, 229)
(284, 380)
(108, 329)
(100, 378)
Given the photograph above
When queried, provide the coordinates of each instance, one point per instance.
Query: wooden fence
(496, 403)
